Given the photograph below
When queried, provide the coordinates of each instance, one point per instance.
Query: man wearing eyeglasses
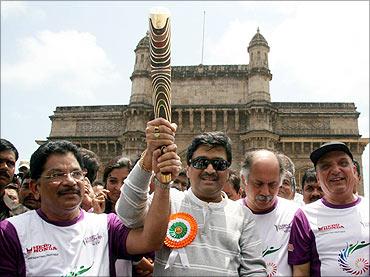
(223, 231)
(8, 158)
(262, 174)
(60, 238)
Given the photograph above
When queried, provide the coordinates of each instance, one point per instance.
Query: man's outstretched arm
(133, 204)
(151, 237)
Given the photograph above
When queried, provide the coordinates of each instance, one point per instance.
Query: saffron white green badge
(181, 231)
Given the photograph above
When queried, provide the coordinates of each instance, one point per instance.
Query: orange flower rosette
(182, 230)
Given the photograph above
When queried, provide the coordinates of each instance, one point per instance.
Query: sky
(82, 53)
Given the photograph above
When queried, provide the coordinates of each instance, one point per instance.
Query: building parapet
(238, 70)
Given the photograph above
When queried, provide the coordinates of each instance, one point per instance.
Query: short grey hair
(249, 160)
(287, 162)
(288, 167)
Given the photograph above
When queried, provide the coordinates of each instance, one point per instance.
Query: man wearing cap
(330, 237)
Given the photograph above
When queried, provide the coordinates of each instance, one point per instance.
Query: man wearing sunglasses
(60, 238)
(262, 174)
(225, 238)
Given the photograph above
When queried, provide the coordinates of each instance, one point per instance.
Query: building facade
(230, 98)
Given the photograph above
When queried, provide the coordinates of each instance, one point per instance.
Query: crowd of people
(153, 216)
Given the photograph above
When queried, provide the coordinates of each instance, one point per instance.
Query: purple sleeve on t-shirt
(11, 257)
(117, 233)
(302, 244)
(117, 237)
(300, 241)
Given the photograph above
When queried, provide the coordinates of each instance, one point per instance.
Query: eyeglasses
(202, 163)
(59, 177)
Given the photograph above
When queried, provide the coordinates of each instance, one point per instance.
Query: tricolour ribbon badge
(182, 230)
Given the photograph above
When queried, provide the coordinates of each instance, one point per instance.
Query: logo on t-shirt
(270, 250)
(331, 227)
(271, 269)
(355, 265)
(79, 271)
(46, 249)
(283, 227)
(94, 239)
(270, 266)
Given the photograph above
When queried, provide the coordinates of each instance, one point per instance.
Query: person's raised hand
(159, 132)
(165, 161)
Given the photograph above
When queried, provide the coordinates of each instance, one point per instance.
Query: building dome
(144, 42)
(258, 39)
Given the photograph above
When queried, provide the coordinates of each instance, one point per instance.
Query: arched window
(266, 61)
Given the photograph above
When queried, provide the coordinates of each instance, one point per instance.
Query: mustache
(30, 197)
(213, 176)
(68, 191)
(264, 198)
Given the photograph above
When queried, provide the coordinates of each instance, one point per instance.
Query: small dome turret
(144, 42)
(258, 40)
(260, 76)
(141, 82)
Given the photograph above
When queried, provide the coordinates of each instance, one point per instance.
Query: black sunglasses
(202, 163)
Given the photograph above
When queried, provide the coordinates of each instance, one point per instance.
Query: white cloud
(324, 47)
(68, 60)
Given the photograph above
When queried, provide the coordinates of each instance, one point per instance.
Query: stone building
(232, 98)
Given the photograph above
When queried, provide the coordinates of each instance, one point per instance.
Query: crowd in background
(263, 195)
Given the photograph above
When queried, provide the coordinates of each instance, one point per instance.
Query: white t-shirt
(333, 238)
(274, 230)
(89, 245)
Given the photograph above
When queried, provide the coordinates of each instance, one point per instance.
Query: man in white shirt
(224, 238)
(262, 174)
(330, 237)
(60, 238)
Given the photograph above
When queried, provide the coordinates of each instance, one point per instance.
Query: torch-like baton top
(160, 61)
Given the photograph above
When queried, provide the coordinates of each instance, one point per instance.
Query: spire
(144, 42)
(258, 39)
